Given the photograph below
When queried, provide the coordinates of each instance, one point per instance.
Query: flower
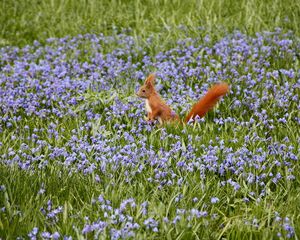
(214, 200)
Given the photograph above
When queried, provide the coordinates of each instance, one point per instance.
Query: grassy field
(78, 160)
(24, 21)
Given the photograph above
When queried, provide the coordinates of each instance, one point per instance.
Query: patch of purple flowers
(84, 118)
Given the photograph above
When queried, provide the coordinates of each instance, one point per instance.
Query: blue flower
(214, 200)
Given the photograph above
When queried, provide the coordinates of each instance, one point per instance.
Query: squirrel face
(147, 89)
(144, 91)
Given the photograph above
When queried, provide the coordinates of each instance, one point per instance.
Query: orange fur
(208, 101)
(158, 109)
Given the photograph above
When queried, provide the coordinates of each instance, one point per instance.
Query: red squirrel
(158, 109)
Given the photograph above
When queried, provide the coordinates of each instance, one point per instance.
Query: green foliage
(23, 21)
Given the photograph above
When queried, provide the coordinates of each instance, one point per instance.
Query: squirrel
(158, 109)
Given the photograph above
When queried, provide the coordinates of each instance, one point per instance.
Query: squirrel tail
(208, 101)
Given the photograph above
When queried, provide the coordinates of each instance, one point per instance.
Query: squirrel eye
(143, 91)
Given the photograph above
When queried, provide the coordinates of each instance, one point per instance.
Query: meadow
(78, 160)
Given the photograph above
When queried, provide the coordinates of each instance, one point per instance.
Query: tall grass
(23, 21)
(85, 85)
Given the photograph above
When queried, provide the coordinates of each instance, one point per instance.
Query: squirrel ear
(150, 79)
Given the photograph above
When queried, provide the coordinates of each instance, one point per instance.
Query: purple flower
(55, 236)
(214, 200)
(150, 223)
(33, 233)
(46, 235)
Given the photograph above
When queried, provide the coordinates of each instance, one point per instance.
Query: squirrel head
(147, 89)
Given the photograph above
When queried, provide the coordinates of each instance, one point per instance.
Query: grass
(249, 213)
(22, 22)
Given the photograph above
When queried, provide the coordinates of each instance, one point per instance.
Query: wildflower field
(78, 160)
